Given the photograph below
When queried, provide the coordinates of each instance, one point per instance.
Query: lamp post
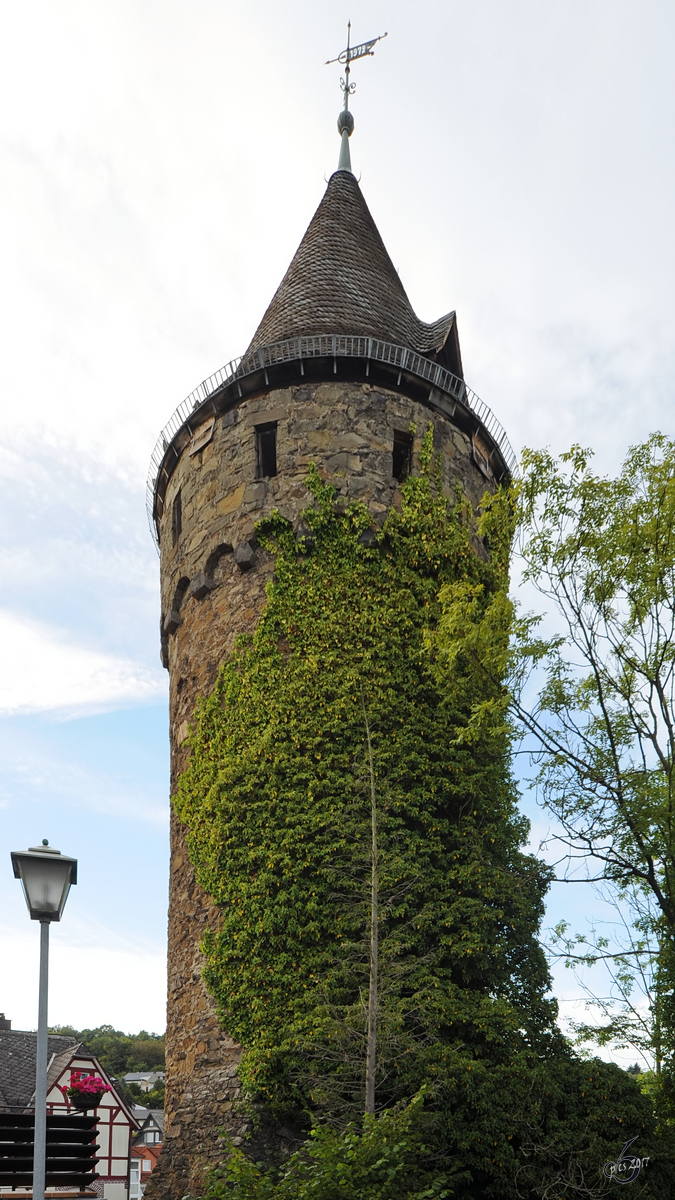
(46, 876)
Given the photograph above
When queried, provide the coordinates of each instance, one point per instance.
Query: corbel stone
(368, 538)
(200, 586)
(304, 536)
(172, 622)
(244, 556)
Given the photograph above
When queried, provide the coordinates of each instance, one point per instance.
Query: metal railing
(326, 346)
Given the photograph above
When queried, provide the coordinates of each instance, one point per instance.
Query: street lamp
(46, 876)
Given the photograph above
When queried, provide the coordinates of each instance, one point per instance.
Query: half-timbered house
(116, 1122)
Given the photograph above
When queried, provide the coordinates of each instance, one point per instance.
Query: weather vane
(346, 120)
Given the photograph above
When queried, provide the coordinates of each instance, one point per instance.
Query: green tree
(530, 1129)
(146, 1052)
(631, 1004)
(119, 1053)
(384, 1159)
(602, 553)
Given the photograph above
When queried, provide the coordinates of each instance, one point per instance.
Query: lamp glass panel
(46, 883)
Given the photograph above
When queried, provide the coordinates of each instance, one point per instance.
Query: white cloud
(30, 773)
(148, 210)
(43, 669)
(92, 980)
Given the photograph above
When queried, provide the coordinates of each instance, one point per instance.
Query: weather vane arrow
(346, 120)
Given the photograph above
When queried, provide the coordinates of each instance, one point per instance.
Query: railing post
(346, 345)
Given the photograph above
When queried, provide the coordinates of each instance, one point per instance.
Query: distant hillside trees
(119, 1053)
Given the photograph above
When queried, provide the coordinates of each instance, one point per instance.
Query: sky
(159, 163)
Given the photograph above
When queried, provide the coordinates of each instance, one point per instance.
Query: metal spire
(345, 120)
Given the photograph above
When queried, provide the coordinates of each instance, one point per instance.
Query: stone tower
(337, 370)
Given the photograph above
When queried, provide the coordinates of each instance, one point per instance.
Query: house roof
(18, 1051)
(149, 1118)
(342, 281)
(135, 1076)
(144, 1151)
(155, 1115)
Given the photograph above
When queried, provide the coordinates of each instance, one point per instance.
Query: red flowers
(86, 1085)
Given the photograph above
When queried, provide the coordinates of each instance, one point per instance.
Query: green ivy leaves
(275, 805)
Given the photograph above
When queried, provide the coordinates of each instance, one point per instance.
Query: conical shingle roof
(343, 281)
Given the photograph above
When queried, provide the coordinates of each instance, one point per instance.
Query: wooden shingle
(342, 281)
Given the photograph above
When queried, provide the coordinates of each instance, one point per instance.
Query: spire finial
(345, 120)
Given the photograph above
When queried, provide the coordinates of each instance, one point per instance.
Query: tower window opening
(176, 518)
(401, 463)
(266, 450)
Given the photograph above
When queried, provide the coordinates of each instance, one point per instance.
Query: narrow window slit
(266, 450)
(402, 455)
(176, 518)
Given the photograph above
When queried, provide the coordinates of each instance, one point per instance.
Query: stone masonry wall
(213, 587)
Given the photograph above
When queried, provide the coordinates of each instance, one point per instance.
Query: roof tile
(17, 1063)
(343, 281)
